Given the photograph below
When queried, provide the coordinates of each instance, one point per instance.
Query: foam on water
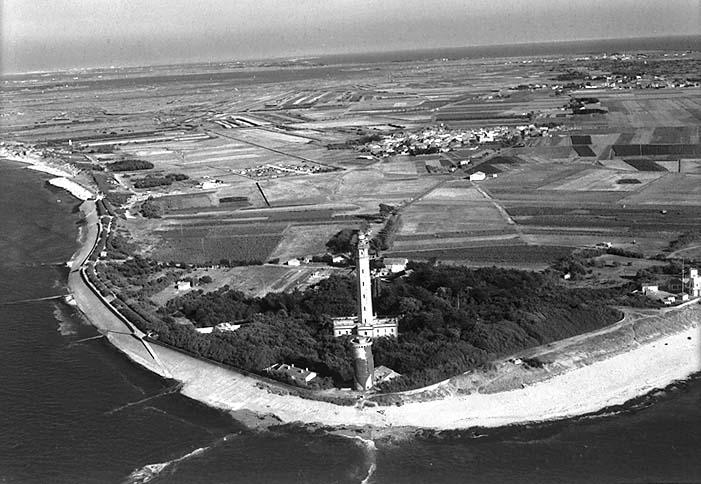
(151, 471)
(66, 325)
(370, 456)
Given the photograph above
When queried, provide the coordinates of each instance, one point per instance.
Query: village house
(383, 374)
(183, 286)
(297, 376)
(395, 264)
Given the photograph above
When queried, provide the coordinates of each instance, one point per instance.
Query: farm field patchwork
(508, 255)
(601, 180)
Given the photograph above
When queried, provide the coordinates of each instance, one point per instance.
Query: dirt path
(502, 211)
(679, 251)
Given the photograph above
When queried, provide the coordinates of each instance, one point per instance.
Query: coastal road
(96, 309)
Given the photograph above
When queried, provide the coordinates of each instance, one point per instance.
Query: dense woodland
(452, 319)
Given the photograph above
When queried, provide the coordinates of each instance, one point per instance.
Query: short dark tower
(363, 364)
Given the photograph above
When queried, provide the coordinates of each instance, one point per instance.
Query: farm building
(298, 376)
(383, 374)
(219, 328)
(183, 285)
(478, 176)
(226, 327)
(395, 264)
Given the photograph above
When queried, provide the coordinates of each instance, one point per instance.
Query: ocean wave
(643, 401)
(370, 454)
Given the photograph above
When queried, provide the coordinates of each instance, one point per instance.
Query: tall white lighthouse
(364, 323)
(365, 314)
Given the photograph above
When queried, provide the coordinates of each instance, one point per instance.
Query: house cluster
(331, 259)
(436, 140)
(293, 374)
(279, 170)
(675, 290)
(302, 377)
(623, 81)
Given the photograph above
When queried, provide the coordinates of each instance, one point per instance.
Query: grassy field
(506, 254)
(599, 180)
(302, 240)
(562, 190)
(193, 249)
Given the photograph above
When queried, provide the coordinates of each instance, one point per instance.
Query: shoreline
(572, 384)
(608, 380)
(62, 172)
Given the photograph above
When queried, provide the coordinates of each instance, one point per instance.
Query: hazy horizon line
(311, 56)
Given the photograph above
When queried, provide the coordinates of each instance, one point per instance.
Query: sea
(74, 410)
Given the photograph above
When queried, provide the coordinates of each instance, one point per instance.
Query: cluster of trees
(685, 239)
(158, 181)
(238, 263)
(624, 253)
(352, 143)
(452, 319)
(385, 237)
(570, 75)
(130, 165)
(150, 209)
(343, 241)
(119, 247)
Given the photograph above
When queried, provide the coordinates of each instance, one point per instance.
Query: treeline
(158, 181)
(343, 241)
(385, 237)
(151, 209)
(352, 143)
(685, 239)
(130, 165)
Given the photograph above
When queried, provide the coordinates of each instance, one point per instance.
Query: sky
(56, 34)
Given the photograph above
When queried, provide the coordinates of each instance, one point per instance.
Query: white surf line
(150, 471)
(370, 451)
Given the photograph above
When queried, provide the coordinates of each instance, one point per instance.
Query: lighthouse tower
(365, 314)
(363, 363)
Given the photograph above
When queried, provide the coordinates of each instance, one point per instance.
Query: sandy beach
(78, 191)
(36, 161)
